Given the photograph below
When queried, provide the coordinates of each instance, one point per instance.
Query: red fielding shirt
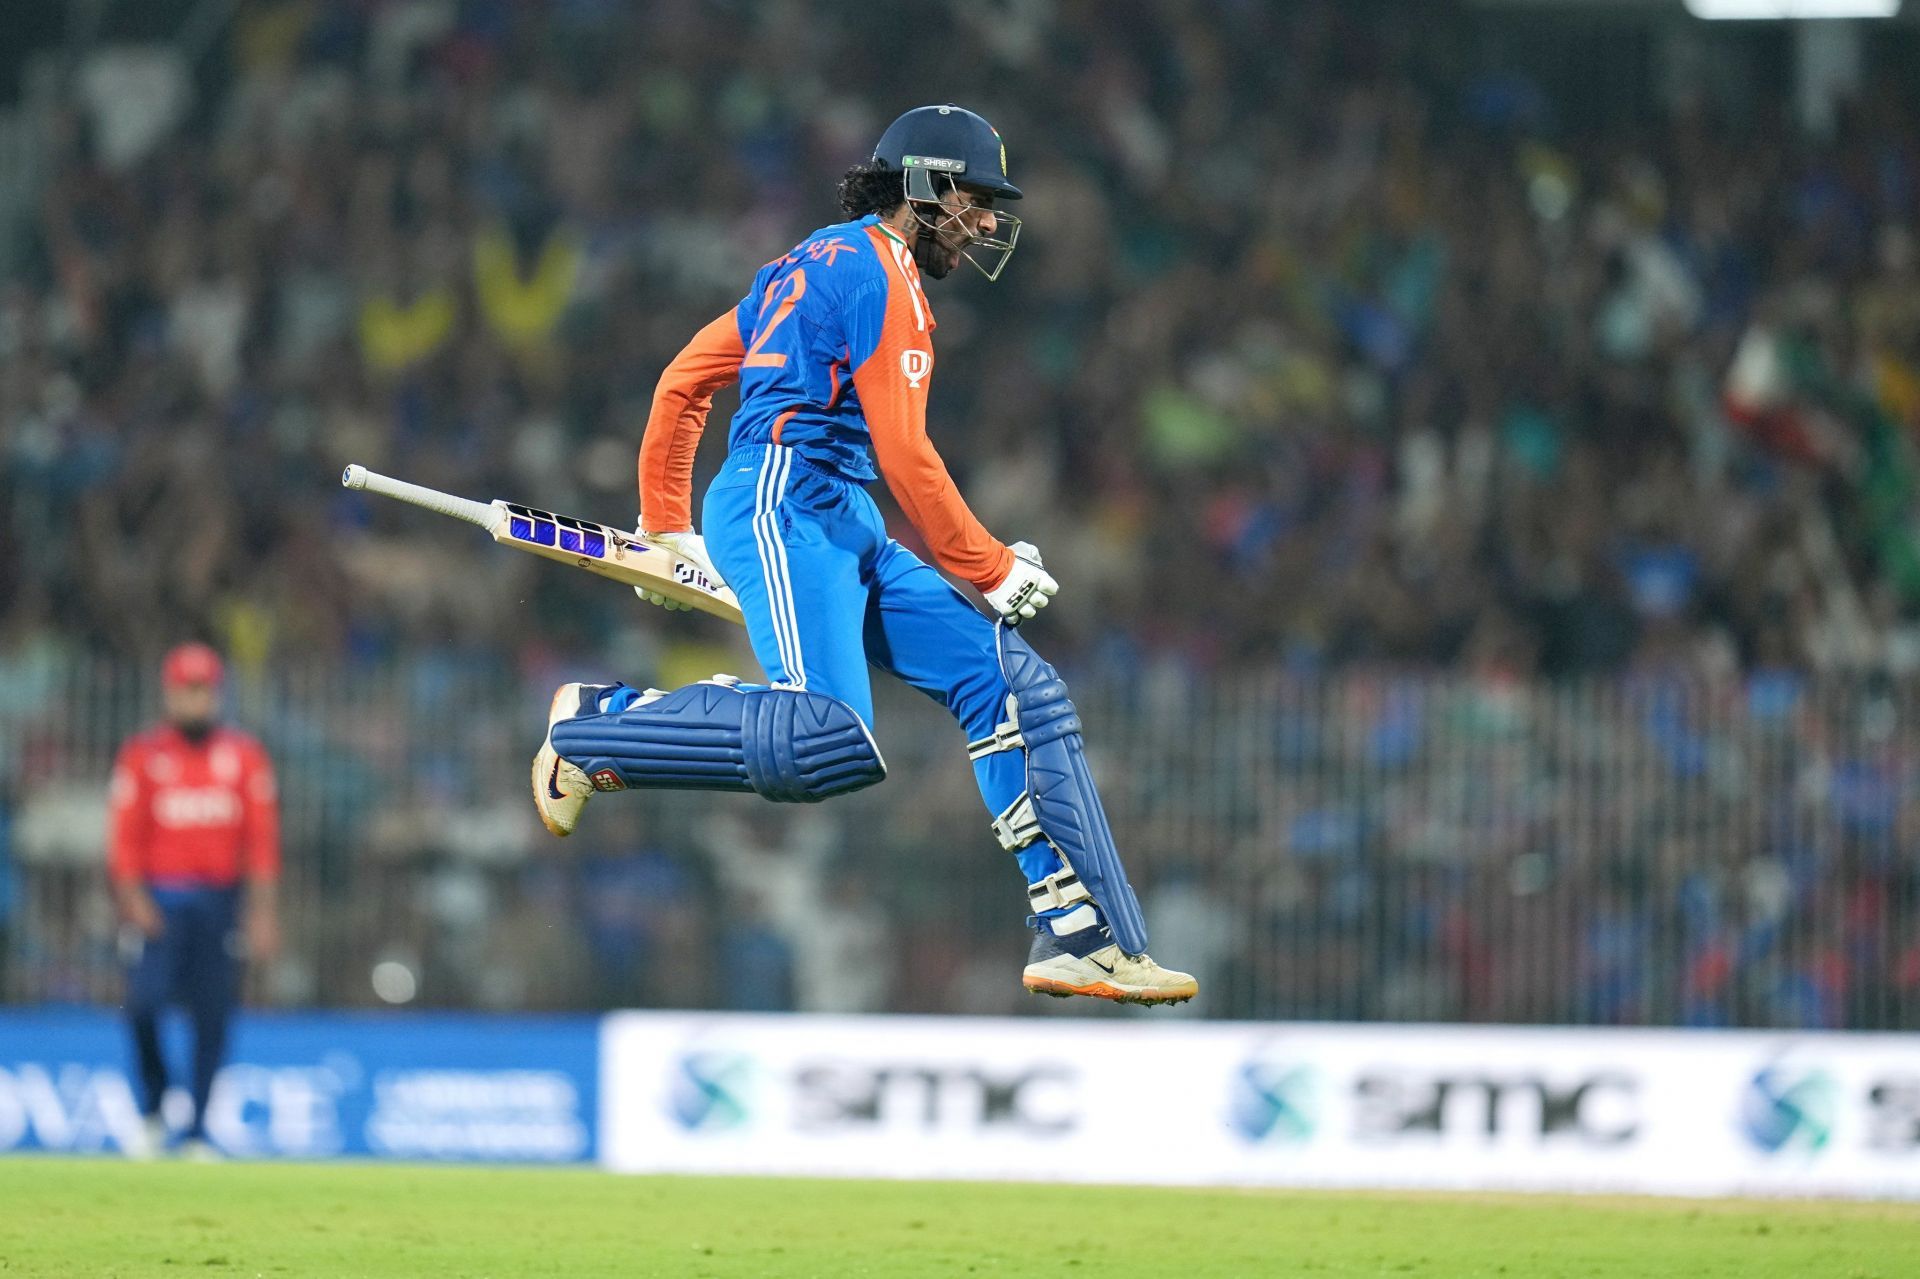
(193, 815)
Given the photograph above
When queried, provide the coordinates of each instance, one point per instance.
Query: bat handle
(460, 508)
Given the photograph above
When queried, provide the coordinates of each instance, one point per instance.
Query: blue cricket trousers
(191, 964)
(825, 592)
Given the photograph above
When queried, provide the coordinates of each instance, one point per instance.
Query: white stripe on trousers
(773, 563)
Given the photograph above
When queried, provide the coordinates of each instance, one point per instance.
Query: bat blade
(609, 552)
(614, 554)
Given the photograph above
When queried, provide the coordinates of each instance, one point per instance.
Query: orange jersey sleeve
(260, 800)
(129, 815)
(681, 402)
(892, 384)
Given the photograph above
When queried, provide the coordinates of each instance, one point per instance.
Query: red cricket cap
(191, 664)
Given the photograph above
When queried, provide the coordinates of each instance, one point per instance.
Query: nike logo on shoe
(553, 790)
(1102, 967)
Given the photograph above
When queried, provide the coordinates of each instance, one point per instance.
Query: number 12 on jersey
(796, 288)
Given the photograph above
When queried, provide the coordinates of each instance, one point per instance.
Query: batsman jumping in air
(833, 350)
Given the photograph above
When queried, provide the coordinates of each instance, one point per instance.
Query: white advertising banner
(1683, 1112)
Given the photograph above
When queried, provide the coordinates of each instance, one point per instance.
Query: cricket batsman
(833, 350)
(194, 859)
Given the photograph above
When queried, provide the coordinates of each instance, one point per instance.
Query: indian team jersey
(833, 350)
(813, 324)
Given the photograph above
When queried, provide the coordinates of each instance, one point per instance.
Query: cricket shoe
(562, 789)
(1105, 972)
(152, 1141)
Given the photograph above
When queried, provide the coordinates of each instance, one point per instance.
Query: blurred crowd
(1356, 847)
(1388, 359)
(1359, 344)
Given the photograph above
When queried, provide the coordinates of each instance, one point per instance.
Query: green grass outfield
(75, 1218)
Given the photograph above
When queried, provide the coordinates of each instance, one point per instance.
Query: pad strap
(1006, 737)
(1058, 891)
(1017, 827)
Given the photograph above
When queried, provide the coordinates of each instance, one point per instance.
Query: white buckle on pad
(1006, 737)
(1017, 827)
(1057, 891)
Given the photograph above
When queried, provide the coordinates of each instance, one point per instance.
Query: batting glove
(688, 546)
(1026, 588)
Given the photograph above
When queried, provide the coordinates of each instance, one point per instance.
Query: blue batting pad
(781, 743)
(1060, 785)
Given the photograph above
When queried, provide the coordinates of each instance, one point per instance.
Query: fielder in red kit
(194, 859)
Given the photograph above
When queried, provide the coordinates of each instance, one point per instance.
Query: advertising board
(420, 1086)
(1392, 1106)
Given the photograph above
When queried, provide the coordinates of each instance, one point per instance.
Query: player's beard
(931, 254)
(195, 731)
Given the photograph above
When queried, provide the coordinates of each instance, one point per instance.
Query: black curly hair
(872, 186)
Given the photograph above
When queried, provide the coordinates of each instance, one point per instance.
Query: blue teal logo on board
(708, 1091)
(1273, 1102)
(1784, 1108)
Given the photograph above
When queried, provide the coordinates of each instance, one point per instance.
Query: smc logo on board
(718, 1091)
(1598, 1108)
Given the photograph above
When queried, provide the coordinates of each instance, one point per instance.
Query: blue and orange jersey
(833, 350)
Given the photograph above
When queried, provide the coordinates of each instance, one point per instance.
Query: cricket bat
(581, 543)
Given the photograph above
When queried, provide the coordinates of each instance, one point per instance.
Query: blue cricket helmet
(950, 140)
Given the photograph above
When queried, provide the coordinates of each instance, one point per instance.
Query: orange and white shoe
(1106, 973)
(560, 789)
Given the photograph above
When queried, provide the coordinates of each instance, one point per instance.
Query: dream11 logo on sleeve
(916, 364)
